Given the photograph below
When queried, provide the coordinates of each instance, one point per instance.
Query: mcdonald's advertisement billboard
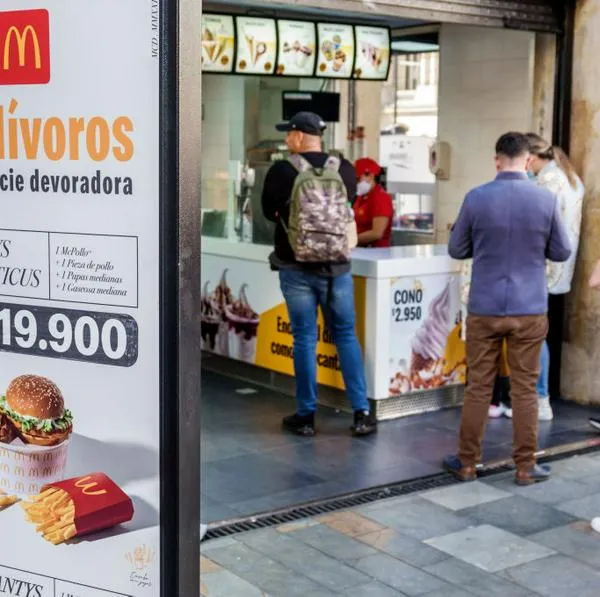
(79, 306)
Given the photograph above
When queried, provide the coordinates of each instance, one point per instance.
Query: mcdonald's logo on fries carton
(24, 47)
(98, 502)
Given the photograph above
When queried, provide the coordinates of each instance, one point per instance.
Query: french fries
(7, 500)
(53, 513)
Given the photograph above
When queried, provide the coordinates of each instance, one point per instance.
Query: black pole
(563, 89)
(179, 423)
(563, 86)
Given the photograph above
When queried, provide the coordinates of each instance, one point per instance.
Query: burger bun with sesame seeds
(36, 408)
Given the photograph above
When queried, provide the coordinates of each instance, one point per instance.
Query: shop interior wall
(486, 89)
(240, 112)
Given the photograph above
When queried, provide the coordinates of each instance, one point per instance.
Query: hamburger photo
(35, 408)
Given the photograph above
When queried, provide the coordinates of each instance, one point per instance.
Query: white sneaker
(545, 410)
(496, 412)
(596, 524)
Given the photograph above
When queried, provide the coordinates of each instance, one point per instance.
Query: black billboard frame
(179, 264)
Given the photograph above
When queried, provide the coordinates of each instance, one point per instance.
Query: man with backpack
(308, 197)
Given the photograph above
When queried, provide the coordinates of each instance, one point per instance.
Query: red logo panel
(24, 47)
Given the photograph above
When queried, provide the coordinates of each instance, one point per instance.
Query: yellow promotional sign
(274, 343)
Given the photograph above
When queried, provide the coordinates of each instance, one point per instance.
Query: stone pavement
(489, 538)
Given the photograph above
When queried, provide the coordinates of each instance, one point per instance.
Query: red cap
(367, 166)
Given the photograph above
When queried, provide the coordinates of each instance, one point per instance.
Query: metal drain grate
(322, 507)
(353, 500)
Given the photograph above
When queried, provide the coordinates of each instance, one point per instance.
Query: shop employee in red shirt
(373, 208)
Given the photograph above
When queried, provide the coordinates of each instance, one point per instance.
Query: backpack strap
(333, 163)
(299, 162)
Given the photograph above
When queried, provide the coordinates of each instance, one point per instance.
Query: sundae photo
(35, 428)
(210, 320)
(297, 53)
(243, 328)
(213, 323)
(372, 59)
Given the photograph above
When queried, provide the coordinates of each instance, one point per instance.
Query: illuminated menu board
(372, 53)
(297, 48)
(256, 45)
(247, 45)
(218, 43)
(335, 56)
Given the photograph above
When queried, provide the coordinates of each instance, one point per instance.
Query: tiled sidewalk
(489, 538)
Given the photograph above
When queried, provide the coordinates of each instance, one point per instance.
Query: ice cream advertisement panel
(79, 317)
(335, 58)
(244, 317)
(256, 43)
(218, 43)
(373, 51)
(297, 45)
(426, 349)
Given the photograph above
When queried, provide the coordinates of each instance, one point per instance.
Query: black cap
(304, 122)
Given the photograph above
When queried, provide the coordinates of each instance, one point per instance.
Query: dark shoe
(364, 424)
(538, 474)
(595, 423)
(300, 425)
(455, 467)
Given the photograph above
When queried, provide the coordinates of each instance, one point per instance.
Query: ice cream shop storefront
(260, 69)
(411, 88)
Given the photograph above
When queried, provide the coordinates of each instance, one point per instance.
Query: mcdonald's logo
(86, 486)
(24, 47)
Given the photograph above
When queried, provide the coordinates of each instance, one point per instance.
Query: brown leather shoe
(538, 474)
(455, 467)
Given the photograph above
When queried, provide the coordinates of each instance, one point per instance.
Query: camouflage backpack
(320, 214)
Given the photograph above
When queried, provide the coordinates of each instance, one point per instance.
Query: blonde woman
(552, 169)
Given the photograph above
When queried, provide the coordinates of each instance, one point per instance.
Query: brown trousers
(524, 337)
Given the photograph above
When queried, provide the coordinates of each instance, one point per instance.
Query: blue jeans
(303, 293)
(542, 384)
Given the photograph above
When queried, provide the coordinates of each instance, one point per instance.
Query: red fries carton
(99, 502)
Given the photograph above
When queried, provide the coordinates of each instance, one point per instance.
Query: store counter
(407, 307)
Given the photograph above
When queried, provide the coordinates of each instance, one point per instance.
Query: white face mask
(363, 187)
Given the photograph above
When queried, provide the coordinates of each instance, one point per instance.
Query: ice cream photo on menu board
(218, 40)
(336, 50)
(297, 41)
(256, 44)
(426, 348)
(229, 326)
(372, 53)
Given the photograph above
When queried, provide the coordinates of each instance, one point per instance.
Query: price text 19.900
(94, 337)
